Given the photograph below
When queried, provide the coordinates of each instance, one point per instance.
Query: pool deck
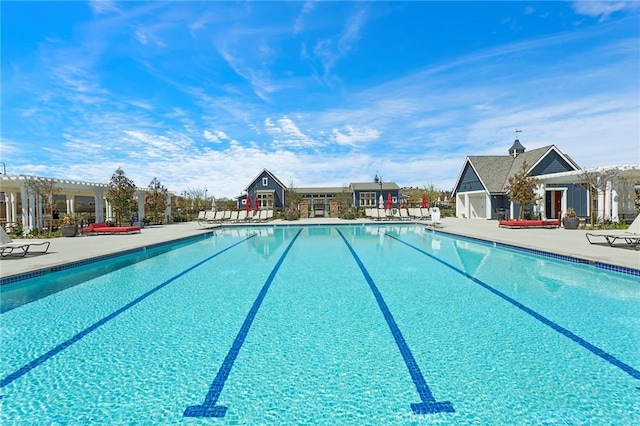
(557, 241)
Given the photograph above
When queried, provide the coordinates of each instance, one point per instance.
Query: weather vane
(518, 131)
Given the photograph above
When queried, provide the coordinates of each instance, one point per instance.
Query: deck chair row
(210, 217)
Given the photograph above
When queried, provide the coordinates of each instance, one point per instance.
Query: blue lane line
(429, 405)
(209, 407)
(62, 346)
(579, 340)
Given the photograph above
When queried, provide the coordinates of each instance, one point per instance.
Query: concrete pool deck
(558, 241)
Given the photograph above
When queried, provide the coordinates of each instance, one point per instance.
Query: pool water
(325, 325)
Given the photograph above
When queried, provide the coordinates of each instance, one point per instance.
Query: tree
(344, 198)
(430, 191)
(43, 191)
(292, 197)
(120, 194)
(157, 200)
(520, 189)
(596, 181)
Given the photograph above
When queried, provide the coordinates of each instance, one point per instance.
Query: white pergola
(13, 185)
(615, 185)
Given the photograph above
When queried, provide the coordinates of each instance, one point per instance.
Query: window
(265, 181)
(265, 200)
(367, 199)
(394, 200)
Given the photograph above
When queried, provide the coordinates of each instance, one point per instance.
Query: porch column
(25, 208)
(607, 201)
(167, 210)
(7, 208)
(600, 210)
(31, 212)
(99, 206)
(614, 201)
(14, 207)
(141, 195)
(542, 190)
(109, 208)
(467, 207)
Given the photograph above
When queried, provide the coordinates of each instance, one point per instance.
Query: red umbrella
(255, 204)
(424, 201)
(247, 204)
(389, 203)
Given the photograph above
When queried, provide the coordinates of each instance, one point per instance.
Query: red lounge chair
(551, 223)
(103, 228)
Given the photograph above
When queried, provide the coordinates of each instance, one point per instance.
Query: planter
(69, 230)
(571, 222)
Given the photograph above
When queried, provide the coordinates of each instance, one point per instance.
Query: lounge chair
(242, 216)
(404, 214)
(234, 216)
(8, 246)
(629, 237)
(435, 217)
(414, 212)
(371, 213)
(97, 228)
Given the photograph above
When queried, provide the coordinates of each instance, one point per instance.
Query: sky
(207, 94)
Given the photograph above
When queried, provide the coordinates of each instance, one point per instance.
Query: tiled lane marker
(64, 345)
(429, 405)
(209, 407)
(579, 340)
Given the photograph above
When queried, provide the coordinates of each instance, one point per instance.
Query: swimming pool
(325, 325)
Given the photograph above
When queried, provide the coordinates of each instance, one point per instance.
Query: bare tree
(520, 189)
(596, 181)
(43, 191)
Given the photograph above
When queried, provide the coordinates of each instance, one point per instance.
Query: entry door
(557, 203)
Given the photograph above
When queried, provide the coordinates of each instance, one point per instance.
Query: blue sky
(207, 94)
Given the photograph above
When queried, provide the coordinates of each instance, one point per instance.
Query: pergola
(21, 204)
(615, 187)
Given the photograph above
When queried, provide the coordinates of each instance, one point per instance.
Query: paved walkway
(559, 241)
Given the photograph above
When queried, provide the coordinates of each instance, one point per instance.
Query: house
(265, 189)
(480, 190)
(271, 193)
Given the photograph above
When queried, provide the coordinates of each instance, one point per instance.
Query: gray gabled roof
(494, 170)
(372, 186)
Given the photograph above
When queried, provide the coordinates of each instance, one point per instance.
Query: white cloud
(216, 136)
(604, 8)
(103, 7)
(307, 8)
(286, 134)
(352, 137)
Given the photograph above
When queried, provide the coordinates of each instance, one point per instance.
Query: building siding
(469, 181)
(551, 163)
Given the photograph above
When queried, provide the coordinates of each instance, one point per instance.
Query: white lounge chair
(242, 216)
(414, 212)
(629, 237)
(371, 213)
(434, 220)
(8, 246)
(234, 216)
(383, 215)
(404, 214)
